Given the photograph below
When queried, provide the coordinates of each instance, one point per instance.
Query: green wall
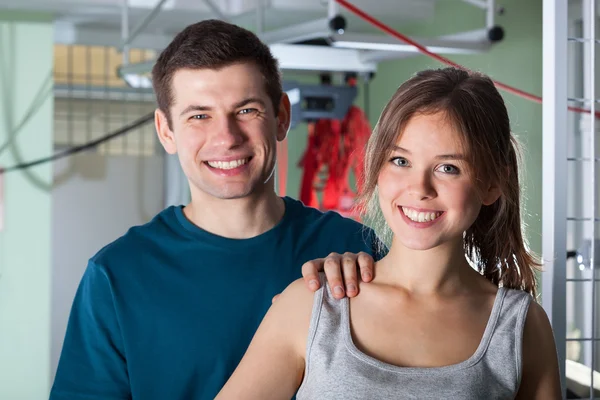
(26, 59)
(516, 61)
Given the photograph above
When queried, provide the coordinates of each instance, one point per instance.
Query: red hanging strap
(282, 166)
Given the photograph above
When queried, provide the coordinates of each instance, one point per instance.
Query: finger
(310, 273)
(349, 269)
(366, 264)
(274, 298)
(333, 271)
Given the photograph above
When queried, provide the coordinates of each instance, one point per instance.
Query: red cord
(282, 166)
(445, 60)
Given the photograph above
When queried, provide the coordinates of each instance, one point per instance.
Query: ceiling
(103, 17)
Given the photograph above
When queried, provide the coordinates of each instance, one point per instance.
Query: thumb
(274, 299)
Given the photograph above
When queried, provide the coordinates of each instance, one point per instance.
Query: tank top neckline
(469, 362)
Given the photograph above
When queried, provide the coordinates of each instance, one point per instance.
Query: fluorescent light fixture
(405, 48)
(373, 46)
(138, 81)
(474, 43)
(294, 95)
(137, 75)
(300, 57)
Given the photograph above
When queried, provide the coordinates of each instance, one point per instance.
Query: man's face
(224, 130)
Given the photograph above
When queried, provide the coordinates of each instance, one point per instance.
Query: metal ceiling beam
(69, 34)
(260, 17)
(142, 24)
(315, 29)
(216, 10)
(291, 57)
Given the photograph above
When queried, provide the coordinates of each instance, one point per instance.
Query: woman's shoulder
(294, 306)
(297, 295)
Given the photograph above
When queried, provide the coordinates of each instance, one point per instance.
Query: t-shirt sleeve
(92, 364)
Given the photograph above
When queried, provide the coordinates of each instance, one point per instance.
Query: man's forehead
(211, 85)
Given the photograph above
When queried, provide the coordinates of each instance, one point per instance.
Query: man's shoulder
(138, 238)
(329, 228)
(328, 218)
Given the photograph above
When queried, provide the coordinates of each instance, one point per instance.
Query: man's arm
(540, 378)
(273, 366)
(92, 363)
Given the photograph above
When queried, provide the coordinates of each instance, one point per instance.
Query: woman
(451, 312)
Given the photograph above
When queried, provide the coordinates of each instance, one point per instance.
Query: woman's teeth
(227, 164)
(417, 216)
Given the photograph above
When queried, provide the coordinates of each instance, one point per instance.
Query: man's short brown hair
(213, 44)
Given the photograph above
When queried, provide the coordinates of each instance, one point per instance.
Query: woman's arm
(273, 365)
(540, 379)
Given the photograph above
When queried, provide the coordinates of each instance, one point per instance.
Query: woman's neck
(441, 270)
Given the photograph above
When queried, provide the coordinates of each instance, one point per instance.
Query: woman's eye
(400, 161)
(449, 169)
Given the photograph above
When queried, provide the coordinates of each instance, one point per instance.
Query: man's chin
(229, 193)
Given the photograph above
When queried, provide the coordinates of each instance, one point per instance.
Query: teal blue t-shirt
(168, 310)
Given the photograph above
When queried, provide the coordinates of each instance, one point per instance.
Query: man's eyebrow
(248, 101)
(195, 107)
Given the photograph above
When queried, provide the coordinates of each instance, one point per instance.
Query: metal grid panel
(582, 338)
(569, 286)
(92, 101)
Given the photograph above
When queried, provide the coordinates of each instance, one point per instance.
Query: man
(168, 310)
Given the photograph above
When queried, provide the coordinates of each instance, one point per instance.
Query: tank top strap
(507, 337)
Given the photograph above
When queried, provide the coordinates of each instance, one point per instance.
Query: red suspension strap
(334, 148)
(282, 166)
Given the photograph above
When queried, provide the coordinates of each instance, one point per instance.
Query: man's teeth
(227, 164)
(420, 216)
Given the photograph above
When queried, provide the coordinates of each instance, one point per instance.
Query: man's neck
(236, 218)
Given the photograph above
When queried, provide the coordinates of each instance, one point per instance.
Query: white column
(554, 204)
(26, 60)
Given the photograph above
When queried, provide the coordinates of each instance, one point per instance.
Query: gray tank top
(336, 369)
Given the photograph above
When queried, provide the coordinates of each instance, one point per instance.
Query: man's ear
(284, 116)
(165, 135)
(491, 195)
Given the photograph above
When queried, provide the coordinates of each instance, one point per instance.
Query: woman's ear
(165, 135)
(491, 195)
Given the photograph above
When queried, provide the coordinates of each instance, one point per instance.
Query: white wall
(95, 200)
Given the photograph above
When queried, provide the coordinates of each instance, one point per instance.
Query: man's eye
(248, 111)
(200, 116)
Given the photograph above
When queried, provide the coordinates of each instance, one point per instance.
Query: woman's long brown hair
(494, 244)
